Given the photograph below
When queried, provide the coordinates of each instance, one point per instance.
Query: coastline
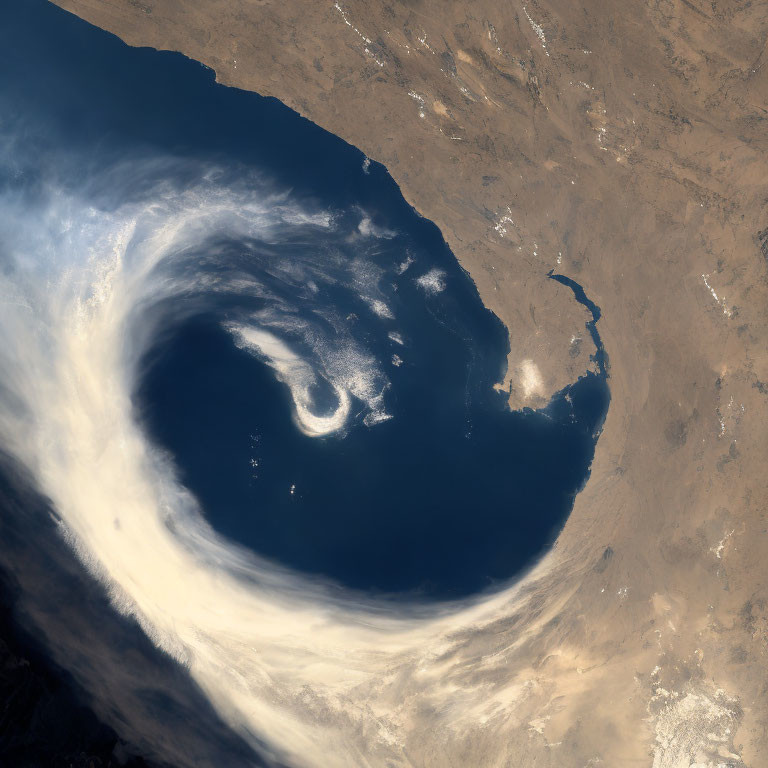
(666, 485)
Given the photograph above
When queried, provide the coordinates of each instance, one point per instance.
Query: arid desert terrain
(624, 145)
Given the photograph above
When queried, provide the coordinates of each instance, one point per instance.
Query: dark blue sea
(436, 488)
(311, 358)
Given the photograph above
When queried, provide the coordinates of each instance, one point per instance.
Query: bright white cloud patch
(290, 662)
(432, 282)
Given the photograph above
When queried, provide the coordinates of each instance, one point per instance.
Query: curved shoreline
(642, 157)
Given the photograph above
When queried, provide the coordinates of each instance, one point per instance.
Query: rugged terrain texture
(624, 145)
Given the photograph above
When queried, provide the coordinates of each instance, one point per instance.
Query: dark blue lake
(335, 297)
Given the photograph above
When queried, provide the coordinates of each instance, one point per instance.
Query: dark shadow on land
(59, 636)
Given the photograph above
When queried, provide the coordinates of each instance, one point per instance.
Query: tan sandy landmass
(624, 145)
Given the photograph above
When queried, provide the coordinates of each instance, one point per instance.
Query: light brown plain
(624, 145)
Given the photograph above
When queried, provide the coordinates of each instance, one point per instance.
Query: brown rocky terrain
(623, 145)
